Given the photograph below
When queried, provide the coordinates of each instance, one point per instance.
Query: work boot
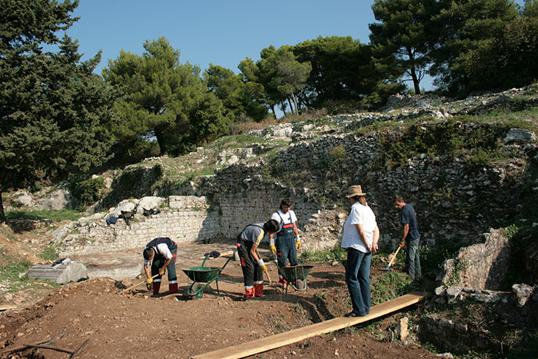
(156, 287)
(258, 290)
(172, 287)
(249, 293)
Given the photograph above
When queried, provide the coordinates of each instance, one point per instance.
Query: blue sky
(214, 31)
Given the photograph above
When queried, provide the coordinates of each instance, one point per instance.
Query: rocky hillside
(470, 167)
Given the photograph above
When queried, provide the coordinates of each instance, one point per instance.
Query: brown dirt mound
(138, 326)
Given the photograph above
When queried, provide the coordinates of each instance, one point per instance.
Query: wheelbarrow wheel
(194, 291)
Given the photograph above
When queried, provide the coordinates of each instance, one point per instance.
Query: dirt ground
(137, 325)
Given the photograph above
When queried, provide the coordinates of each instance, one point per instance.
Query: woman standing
(360, 237)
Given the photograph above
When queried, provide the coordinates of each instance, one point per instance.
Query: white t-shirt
(162, 248)
(285, 218)
(363, 215)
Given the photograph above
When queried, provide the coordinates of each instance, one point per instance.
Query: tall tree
(531, 8)
(55, 115)
(469, 27)
(403, 37)
(157, 96)
(510, 60)
(283, 76)
(239, 96)
(342, 70)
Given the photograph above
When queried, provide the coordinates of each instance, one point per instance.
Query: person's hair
(271, 226)
(398, 198)
(285, 202)
(147, 253)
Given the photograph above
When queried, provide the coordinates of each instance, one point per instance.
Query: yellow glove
(149, 282)
(162, 271)
(261, 264)
(273, 249)
(298, 244)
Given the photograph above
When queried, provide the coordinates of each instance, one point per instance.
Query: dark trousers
(252, 273)
(412, 259)
(170, 269)
(358, 280)
(286, 251)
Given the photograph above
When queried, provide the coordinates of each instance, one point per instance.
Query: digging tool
(388, 267)
(136, 285)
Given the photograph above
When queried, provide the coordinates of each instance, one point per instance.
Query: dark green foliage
(445, 140)
(342, 75)
(88, 191)
(510, 60)
(239, 98)
(278, 78)
(158, 97)
(469, 27)
(62, 215)
(134, 182)
(55, 113)
(403, 37)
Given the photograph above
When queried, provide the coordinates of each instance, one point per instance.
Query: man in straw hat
(360, 237)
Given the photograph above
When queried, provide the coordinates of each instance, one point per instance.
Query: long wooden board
(7, 307)
(297, 335)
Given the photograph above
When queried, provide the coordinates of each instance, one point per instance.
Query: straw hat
(355, 191)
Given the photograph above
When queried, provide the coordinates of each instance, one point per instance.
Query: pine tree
(403, 36)
(55, 115)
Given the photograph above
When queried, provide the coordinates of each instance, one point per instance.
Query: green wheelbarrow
(202, 277)
(295, 276)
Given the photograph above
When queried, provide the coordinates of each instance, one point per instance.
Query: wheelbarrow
(294, 275)
(202, 277)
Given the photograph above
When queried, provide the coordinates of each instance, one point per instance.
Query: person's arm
(360, 230)
(147, 266)
(404, 234)
(254, 249)
(375, 246)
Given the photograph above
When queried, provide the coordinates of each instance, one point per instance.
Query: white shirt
(162, 248)
(363, 215)
(285, 218)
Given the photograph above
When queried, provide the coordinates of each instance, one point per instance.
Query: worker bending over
(159, 255)
(247, 247)
(287, 238)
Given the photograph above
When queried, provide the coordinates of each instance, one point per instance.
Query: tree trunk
(273, 110)
(296, 103)
(291, 106)
(414, 77)
(2, 213)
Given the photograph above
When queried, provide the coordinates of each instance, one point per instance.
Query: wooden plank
(297, 335)
(7, 307)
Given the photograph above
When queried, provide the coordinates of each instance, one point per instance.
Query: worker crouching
(160, 256)
(247, 247)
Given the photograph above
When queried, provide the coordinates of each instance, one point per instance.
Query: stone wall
(480, 266)
(186, 219)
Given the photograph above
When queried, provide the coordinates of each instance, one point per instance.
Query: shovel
(388, 267)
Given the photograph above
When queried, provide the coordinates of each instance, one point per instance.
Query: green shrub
(61, 215)
(50, 253)
(87, 192)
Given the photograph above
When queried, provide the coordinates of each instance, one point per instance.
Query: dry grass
(238, 128)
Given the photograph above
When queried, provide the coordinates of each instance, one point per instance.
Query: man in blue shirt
(410, 237)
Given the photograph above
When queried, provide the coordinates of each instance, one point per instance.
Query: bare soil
(137, 325)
